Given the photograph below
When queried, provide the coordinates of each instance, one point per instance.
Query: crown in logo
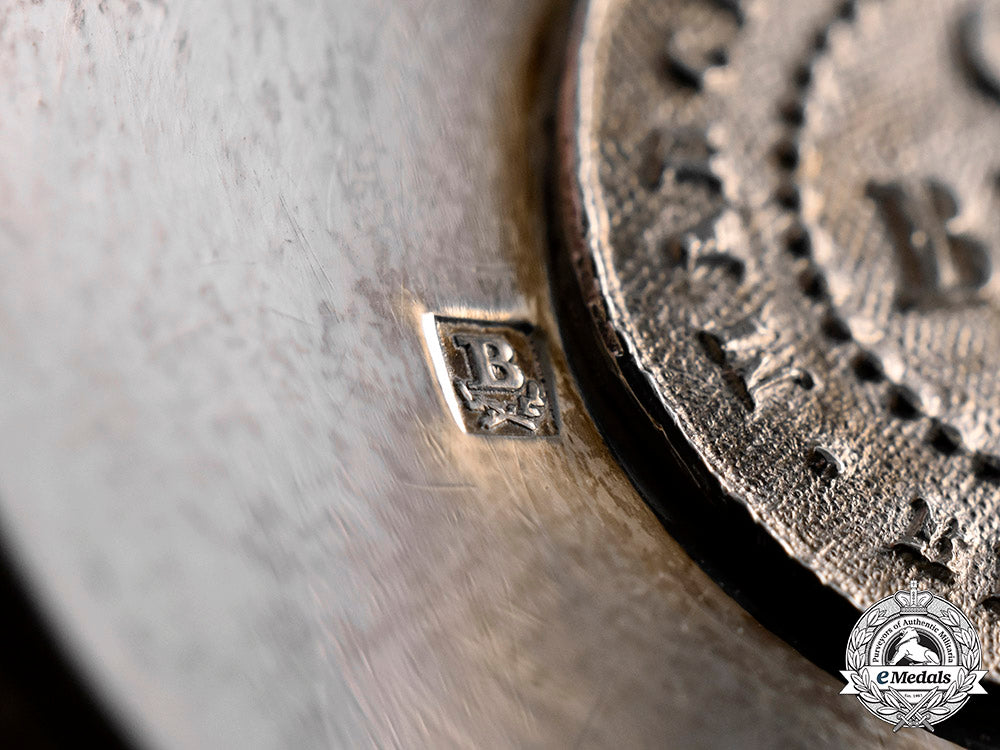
(914, 601)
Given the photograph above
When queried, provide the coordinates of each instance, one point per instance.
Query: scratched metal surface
(790, 212)
(226, 469)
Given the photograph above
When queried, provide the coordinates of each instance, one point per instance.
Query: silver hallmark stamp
(493, 375)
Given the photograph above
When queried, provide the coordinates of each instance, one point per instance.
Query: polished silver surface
(227, 469)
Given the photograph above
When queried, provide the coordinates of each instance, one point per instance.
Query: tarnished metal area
(786, 217)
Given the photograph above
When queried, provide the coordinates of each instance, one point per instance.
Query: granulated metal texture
(787, 216)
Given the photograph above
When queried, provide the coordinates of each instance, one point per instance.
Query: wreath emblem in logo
(913, 659)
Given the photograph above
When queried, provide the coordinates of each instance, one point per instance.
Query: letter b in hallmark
(492, 361)
(494, 376)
